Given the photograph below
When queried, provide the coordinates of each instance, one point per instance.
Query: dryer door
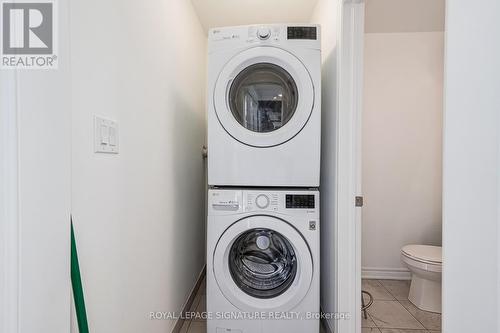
(264, 96)
(263, 263)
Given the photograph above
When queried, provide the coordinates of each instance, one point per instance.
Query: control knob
(262, 201)
(264, 33)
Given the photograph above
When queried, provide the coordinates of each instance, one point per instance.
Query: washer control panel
(283, 201)
(238, 201)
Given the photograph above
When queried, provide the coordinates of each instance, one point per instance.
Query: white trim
(357, 38)
(383, 273)
(348, 233)
(179, 322)
(9, 204)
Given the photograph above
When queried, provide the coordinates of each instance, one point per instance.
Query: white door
(263, 263)
(349, 162)
(35, 193)
(264, 96)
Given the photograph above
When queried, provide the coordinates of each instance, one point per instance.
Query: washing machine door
(264, 96)
(263, 263)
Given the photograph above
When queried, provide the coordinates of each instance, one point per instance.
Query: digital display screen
(300, 201)
(302, 33)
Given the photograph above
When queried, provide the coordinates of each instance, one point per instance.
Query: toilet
(425, 264)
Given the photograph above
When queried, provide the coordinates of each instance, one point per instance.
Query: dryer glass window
(263, 263)
(263, 97)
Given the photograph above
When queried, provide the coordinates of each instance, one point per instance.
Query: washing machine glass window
(262, 262)
(263, 97)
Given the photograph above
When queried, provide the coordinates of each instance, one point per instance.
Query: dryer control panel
(306, 36)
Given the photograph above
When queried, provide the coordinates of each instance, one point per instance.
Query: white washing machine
(263, 261)
(264, 106)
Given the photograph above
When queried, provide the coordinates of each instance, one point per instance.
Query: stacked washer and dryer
(264, 124)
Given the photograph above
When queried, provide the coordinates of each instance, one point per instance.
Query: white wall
(326, 14)
(139, 215)
(471, 201)
(35, 195)
(391, 16)
(402, 147)
(220, 13)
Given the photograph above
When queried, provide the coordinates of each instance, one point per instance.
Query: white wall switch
(105, 135)
(112, 136)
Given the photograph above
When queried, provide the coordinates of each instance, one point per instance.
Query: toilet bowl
(425, 265)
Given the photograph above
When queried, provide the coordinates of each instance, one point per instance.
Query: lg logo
(28, 30)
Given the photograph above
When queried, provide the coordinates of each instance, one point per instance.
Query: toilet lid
(427, 253)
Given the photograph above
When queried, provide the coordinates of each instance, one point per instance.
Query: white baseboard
(382, 273)
(187, 305)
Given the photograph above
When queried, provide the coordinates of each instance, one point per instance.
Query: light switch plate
(105, 135)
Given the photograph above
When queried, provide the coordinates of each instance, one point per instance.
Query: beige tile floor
(391, 311)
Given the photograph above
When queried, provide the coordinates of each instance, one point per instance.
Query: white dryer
(263, 261)
(264, 106)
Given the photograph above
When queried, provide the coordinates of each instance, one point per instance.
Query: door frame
(9, 203)
(25, 205)
(350, 42)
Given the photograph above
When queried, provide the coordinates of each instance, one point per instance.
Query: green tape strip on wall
(76, 282)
